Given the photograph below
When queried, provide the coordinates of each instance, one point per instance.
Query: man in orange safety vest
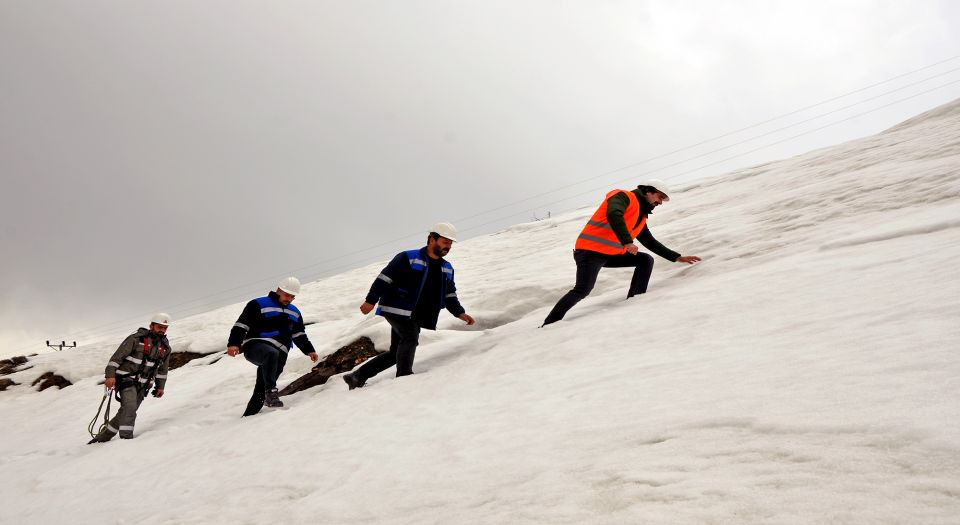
(607, 242)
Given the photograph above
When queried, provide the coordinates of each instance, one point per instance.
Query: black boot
(272, 399)
(353, 381)
(102, 437)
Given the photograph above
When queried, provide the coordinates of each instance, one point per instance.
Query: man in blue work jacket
(411, 290)
(264, 332)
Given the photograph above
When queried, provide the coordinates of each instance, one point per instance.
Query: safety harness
(151, 373)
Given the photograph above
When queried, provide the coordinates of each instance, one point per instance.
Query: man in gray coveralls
(141, 359)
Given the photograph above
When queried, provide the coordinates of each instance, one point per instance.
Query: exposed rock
(50, 379)
(6, 383)
(178, 359)
(9, 366)
(343, 360)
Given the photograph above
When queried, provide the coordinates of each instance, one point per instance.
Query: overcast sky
(183, 155)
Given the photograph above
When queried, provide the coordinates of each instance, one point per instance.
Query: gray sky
(156, 154)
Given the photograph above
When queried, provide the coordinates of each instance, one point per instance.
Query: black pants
(404, 338)
(589, 264)
(268, 360)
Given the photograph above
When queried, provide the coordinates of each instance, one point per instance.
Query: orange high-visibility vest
(598, 235)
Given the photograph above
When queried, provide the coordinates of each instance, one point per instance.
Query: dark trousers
(404, 338)
(267, 358)
(589, 264)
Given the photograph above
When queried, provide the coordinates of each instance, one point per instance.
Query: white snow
(805, 372)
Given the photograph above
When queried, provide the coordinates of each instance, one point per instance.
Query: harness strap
(106, 416)
(146, 347)
(143, 363)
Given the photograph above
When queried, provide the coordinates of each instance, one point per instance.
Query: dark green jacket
(616, 206)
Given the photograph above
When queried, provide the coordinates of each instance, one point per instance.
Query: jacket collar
(145, 332)
(426, 257)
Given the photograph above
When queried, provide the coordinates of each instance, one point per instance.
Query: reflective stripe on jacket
(129, 359)
(265, 319)
(397, 289)
(598, 235)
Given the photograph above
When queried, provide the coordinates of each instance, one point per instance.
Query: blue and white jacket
(265, 319)
(398, 287)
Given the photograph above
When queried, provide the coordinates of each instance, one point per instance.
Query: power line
(595, 189)
(94, 331)
(724, 135)
(100, 329)
(795, 124)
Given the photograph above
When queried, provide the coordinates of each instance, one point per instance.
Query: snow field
(805, 372)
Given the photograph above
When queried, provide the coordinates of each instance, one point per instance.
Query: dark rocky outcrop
(343, 360)
(50, 379)
(9, 366)
(6, 383)
(178, 359)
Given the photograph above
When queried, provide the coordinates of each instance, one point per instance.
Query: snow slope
(805, 372)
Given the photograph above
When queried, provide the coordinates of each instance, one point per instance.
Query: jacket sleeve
(451, 300)
(616, 206)
(125, 349)
(648, 242)
(249, 317)
(387, 277)
(300, 338)
(161, 377)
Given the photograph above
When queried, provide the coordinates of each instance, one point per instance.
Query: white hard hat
(445, 229)
(160, 318)
(658, 185)
(291, 285)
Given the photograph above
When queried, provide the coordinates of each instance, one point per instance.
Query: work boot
(272, 399)
(102, 437)
(353, 381)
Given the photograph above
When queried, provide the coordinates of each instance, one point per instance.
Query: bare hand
(314, 357)
(158, 392)
(366, 308)
(467, 319)
(110, 383)
(631, 248)
(689, 259)
(233, 350)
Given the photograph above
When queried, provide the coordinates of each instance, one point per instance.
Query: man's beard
(440, 252)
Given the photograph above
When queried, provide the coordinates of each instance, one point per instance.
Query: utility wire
(724, 135)
(592, 190)
(633, 177)
(608, 173)
(94, 331)
(108, 327)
